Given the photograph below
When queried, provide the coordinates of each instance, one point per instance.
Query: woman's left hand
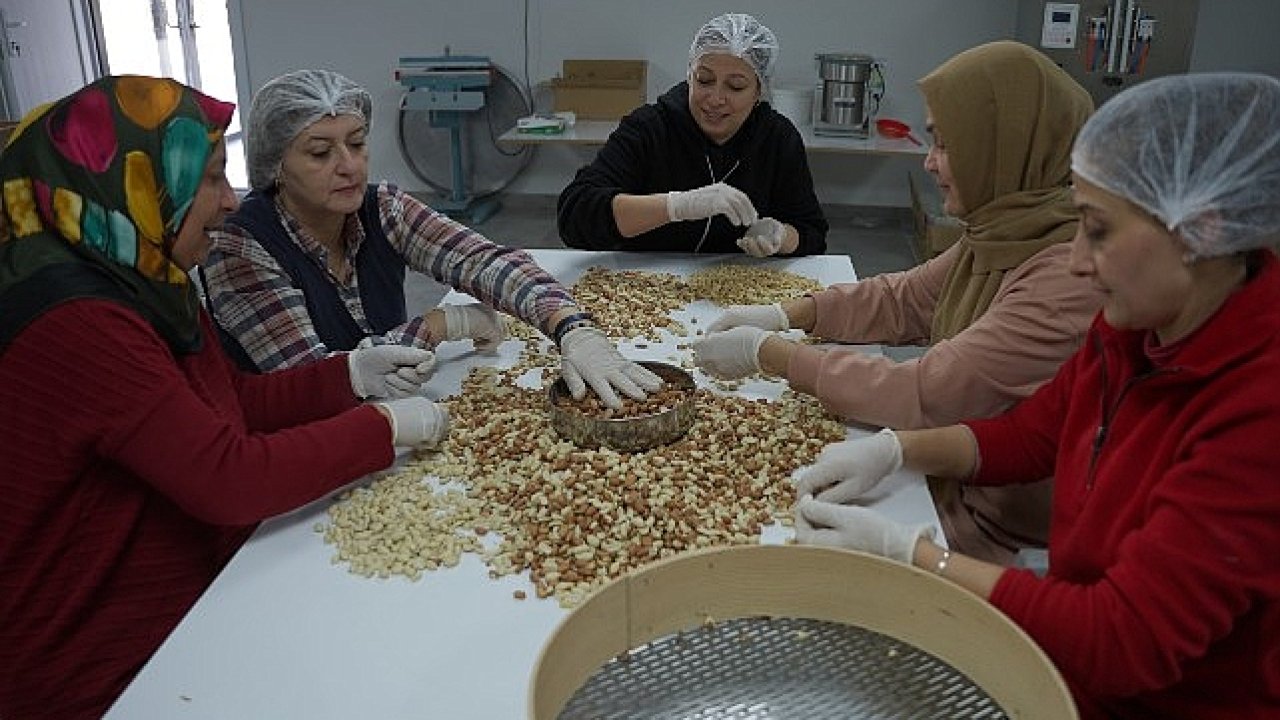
(856, 528)
(588, 358)
(763, 238)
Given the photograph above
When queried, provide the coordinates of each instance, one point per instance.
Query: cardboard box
(935, 230)
(601, 89)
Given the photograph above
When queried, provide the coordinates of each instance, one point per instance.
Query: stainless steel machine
(847, 95)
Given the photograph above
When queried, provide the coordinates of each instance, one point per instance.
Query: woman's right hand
(766, 317)
(710, 200)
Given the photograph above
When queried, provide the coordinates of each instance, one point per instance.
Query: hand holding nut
(479, 323)
(416, 421)
(856, 528)
(731, 354)
(766, 317)
(846, 471)
(764, 238)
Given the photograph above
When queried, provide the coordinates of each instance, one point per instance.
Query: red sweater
(1163, 593)
(129, 477)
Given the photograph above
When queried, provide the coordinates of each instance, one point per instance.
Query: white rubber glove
(709, 200)
(731, 354)
(847, 470)
(765, 317)
(856, 528)
(763, 238)
(389, 371)
(587, 357)
(416, 421)
(479, 323)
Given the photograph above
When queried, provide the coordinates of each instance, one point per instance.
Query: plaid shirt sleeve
(502, 277)
(254, 300)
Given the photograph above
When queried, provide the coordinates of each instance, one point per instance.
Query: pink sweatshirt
(1036, 321)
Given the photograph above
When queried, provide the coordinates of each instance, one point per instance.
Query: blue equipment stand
(448, 87)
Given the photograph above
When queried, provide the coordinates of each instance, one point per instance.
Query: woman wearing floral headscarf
(135, 458)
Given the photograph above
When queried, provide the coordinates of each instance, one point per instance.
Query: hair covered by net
(1201, 152)
(742, 36)
(287, 105)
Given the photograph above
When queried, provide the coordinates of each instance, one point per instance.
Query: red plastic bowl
(897, 129)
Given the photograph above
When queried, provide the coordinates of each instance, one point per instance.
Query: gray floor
(876, 240)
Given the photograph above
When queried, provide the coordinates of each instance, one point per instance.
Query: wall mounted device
(1061, 22)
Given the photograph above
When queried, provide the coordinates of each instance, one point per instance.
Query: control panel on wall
(1107, 45)
(1060, 25)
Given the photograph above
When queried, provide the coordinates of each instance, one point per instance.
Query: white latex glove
(587, 357)
(389, 371)
(709, 200)
(763, 238)
(416, 421)
(847, 470)
(856, 528)
(480, 323)
(765, 317)
(731, 354)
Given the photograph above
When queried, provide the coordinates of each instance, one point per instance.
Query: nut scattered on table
(505, 487)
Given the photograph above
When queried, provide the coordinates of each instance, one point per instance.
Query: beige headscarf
(1008, 116)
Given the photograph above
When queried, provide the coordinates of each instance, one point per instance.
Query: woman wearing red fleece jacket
(1162, 597)
(134, 460)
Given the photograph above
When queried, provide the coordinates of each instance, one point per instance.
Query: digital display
(1061, 17)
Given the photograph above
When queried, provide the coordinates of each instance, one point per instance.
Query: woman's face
(326, 167)
(723, 89)
(213, 200)
(937, 164)
(1135, 261)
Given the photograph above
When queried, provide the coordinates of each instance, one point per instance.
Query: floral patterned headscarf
(95, 188)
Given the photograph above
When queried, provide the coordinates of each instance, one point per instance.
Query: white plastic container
(795, 102)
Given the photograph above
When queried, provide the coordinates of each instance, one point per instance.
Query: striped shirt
(255, 300)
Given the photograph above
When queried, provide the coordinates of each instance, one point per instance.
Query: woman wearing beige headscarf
(998, 310)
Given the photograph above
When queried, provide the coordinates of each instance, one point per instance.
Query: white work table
(596, 132)
(285, 633)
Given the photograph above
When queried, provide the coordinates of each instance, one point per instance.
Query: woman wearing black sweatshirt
(709, 167)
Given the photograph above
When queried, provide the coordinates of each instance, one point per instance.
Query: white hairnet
(287, 105)
(1201, 152)
(739, 35)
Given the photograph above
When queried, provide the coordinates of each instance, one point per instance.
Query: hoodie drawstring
(706, 229)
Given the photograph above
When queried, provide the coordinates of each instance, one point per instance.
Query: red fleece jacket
(128, 477)
(1163, 593)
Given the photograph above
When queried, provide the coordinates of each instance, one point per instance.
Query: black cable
(528, 82)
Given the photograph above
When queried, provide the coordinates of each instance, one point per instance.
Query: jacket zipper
(1109, 411)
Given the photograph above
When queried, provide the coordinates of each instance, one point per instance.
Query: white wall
(44, 54)
(364, 40)
(1237, 35)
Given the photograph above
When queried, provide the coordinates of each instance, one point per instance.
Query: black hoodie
(659, 147)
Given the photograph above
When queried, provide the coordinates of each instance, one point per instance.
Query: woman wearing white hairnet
(710, 167)
(1162, 597)
(313, 262)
